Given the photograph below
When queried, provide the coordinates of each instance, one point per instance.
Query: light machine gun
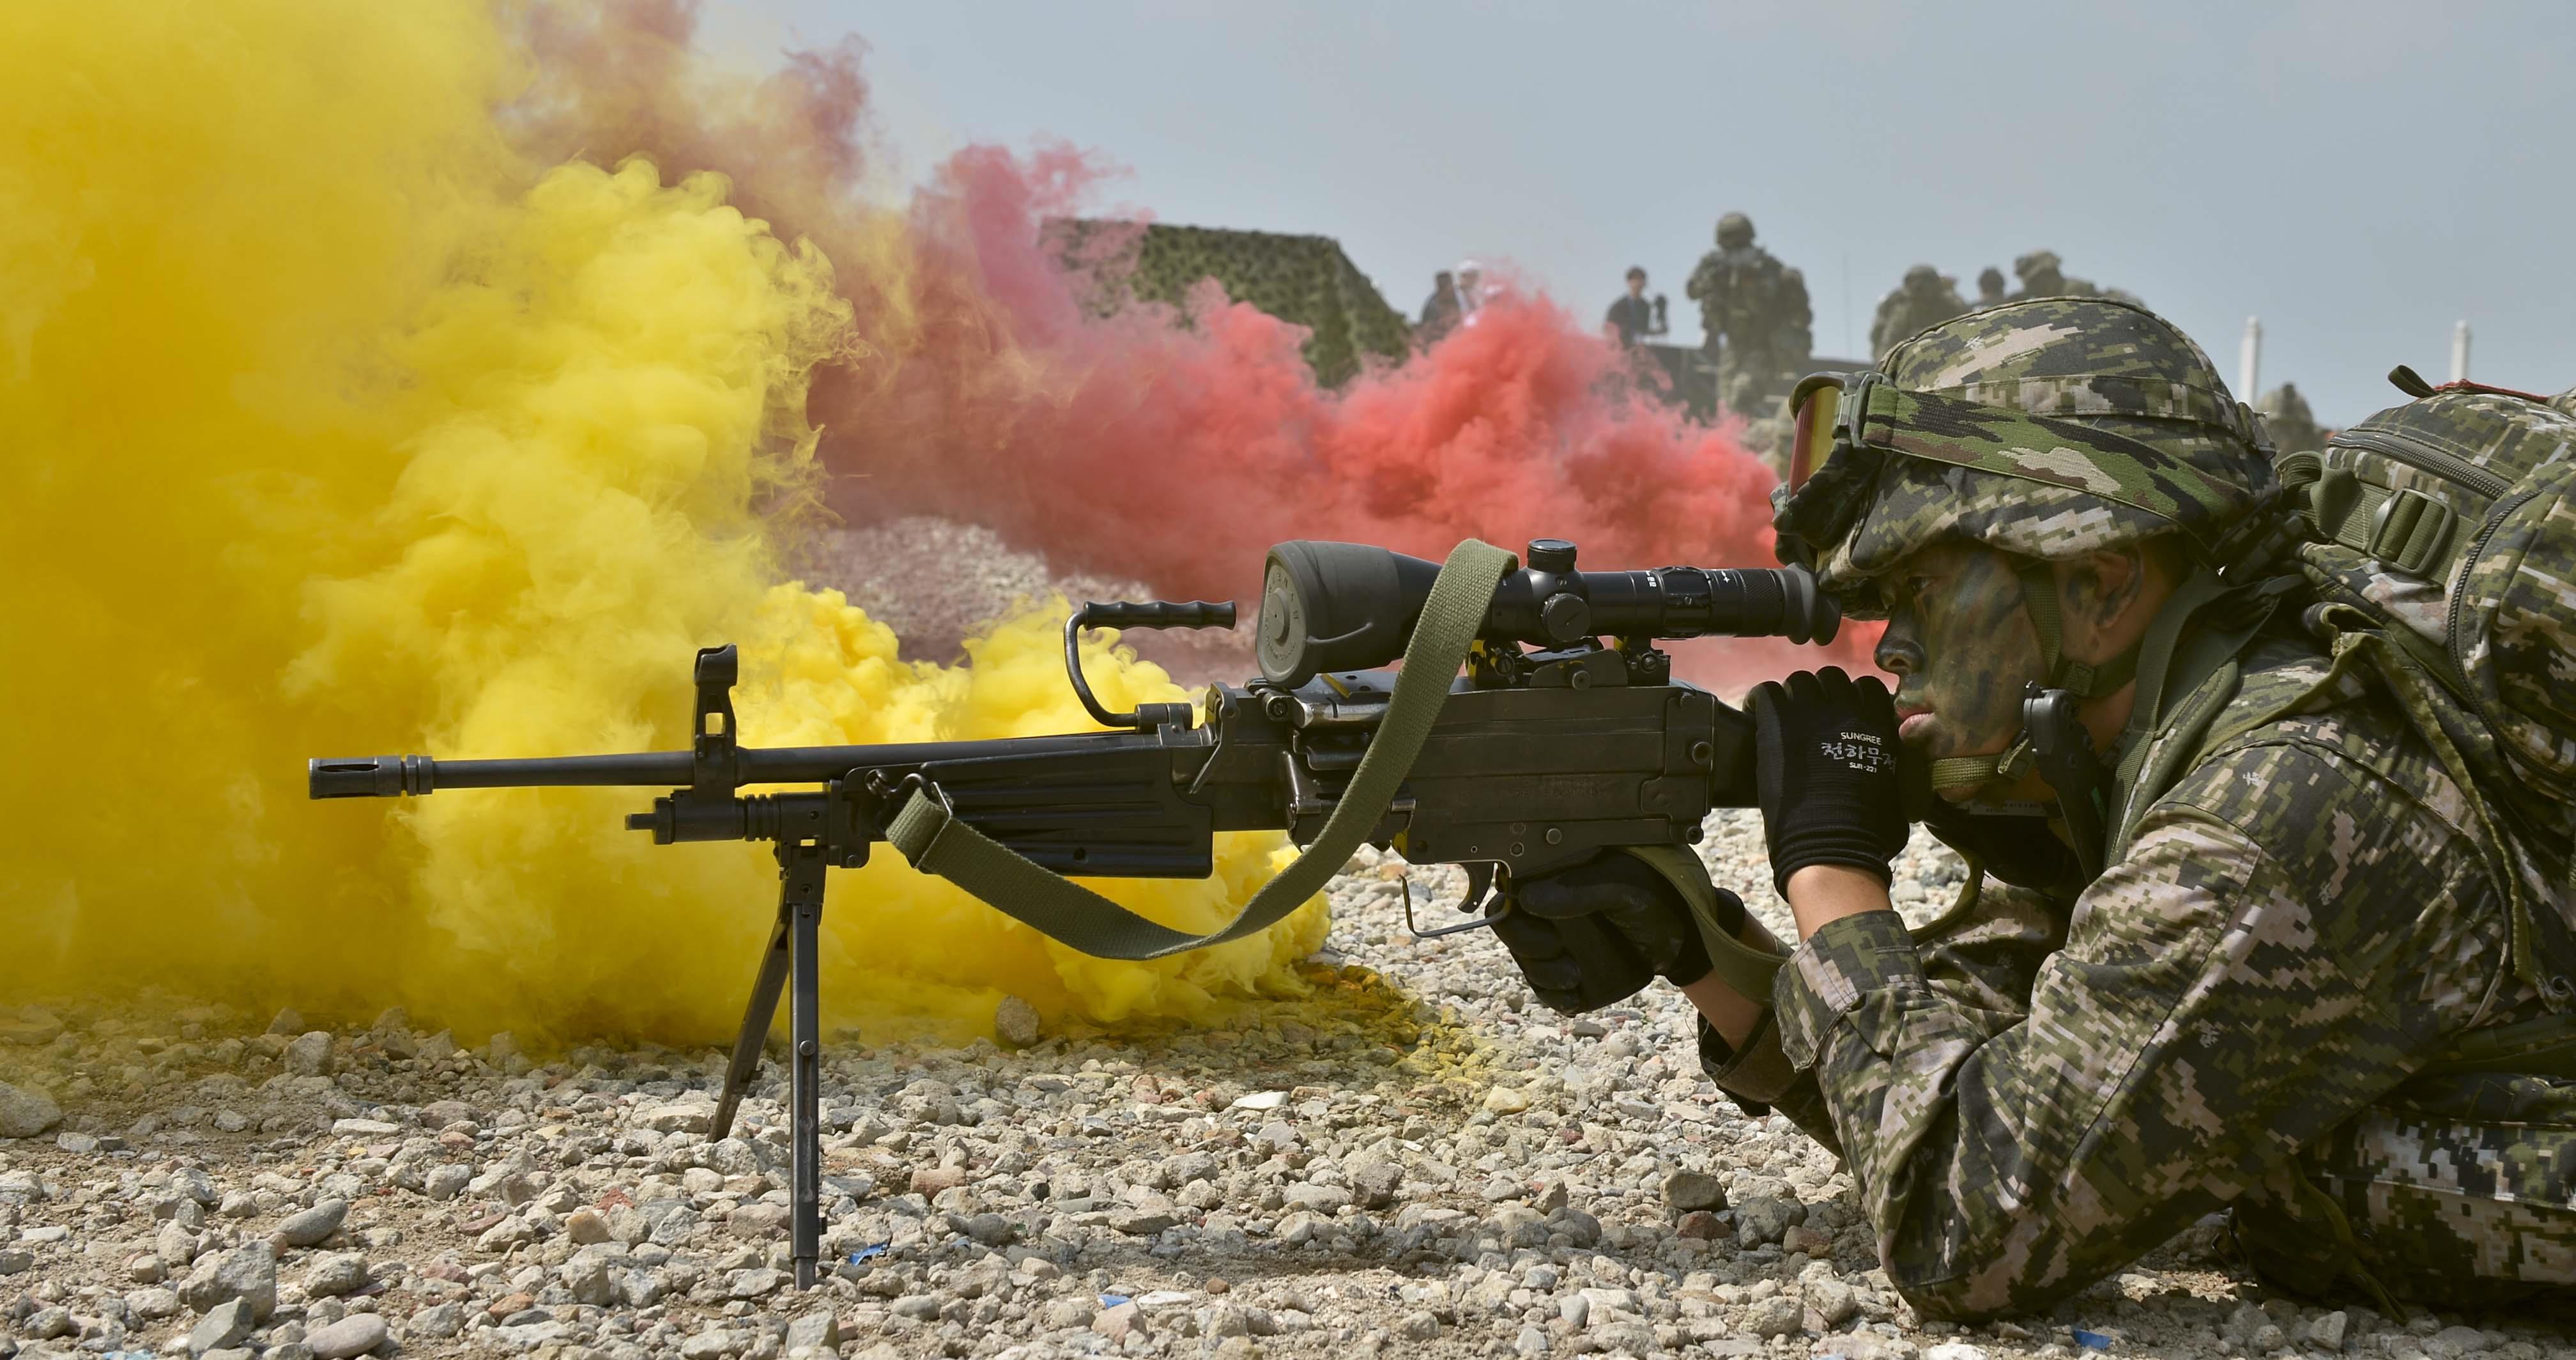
(1552, 746)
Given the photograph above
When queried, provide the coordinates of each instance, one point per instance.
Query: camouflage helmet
(2565, 401)
(2038, 262)
(1922, 277)
(2047, 428)
(1734, 231)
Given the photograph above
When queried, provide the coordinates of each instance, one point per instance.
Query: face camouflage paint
(1961, 643)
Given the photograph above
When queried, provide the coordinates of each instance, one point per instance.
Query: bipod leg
(765, 987)
(801, 905)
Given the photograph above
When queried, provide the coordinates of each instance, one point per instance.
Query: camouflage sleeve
(1980, 958)
(2205, 1019)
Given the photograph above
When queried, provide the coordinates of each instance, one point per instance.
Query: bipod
(792, 946)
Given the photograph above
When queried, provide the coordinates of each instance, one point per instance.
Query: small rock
(27, 1111)
(928, 1181)
(1833, 1302)
(1576, 1309)
(1260, 1100)
(1700, 1225)
(224, 1324)
(715, 1343)
(688, 1118)
(1505, 1100)
(2326, 1332)
(1116, 1322)
(15, 1260)
(589, 1278)
(77, 1144)
(336, 1274)
(444, 1182)
(289, 1021)
(1146, 1217)
(309, 1055)
(439, 1321)
(819, 1330)
(1777, 1316)
(147, 1269)
(1763, 1219)
(356, 1334)
(192, 1183)
(585, 1227)
(30, 1028)
(247, 1272)
(1015, 1023)
(755, 1284)
(1688, 1190)
(1531, 1341)
(152, 1305)
(1955, 1350)
(1418, 1326)
(1800, 1237)
(314, 1226)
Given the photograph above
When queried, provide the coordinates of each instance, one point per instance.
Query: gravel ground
(1414, 1158)
(1417, 1158)
(934, 581)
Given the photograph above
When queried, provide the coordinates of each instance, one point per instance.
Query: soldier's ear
(2101, 586)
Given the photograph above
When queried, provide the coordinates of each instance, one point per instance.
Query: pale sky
(2357, 173)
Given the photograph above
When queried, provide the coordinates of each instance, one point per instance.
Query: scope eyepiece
(1352, 606)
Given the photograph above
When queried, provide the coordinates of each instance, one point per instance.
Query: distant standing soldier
(1990, 287)
(1755, 309)
(2288, 420)
(1440, 310)
(1634, 316)
(2042, 274)
(1922, 301)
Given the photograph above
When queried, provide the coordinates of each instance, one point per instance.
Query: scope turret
(1352, 606)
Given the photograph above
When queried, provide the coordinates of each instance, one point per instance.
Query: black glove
(2017, 849)
(1825, 762)
(1597, 932)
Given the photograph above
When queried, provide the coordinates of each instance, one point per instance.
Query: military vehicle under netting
(1302, 279)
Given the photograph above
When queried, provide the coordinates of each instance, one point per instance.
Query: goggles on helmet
(1846, 425)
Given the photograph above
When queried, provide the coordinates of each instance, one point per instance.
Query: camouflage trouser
(2457, 1190)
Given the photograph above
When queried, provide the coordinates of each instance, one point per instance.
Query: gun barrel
(400, 776)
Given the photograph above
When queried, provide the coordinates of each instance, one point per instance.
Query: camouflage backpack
(2449, 524)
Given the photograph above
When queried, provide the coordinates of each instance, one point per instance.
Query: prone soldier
(2265, 952)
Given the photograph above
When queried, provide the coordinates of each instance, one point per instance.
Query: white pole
(2460, 352)
(2249, 361)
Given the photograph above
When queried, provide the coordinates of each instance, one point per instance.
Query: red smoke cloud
(1134, 446)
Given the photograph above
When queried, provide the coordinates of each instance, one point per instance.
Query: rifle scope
(1352, 606)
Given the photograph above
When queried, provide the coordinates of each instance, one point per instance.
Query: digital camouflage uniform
(1923, 300)
(2249, 1006)
(1756, 312)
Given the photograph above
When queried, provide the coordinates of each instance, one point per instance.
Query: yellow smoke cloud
(334, 429)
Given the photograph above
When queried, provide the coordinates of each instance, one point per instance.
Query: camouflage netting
(1302, 279)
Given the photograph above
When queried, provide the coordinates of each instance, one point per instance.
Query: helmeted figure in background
(2042, 274)
(2287, 419)
(1439, 311)
(1990, 287)
(1923, 300)
(2286, 945)
(1756, 312)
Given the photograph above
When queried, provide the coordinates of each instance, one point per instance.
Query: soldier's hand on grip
(1825, 765)
(1598, 932)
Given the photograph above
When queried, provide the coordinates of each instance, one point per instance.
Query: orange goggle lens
(1816, 404)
